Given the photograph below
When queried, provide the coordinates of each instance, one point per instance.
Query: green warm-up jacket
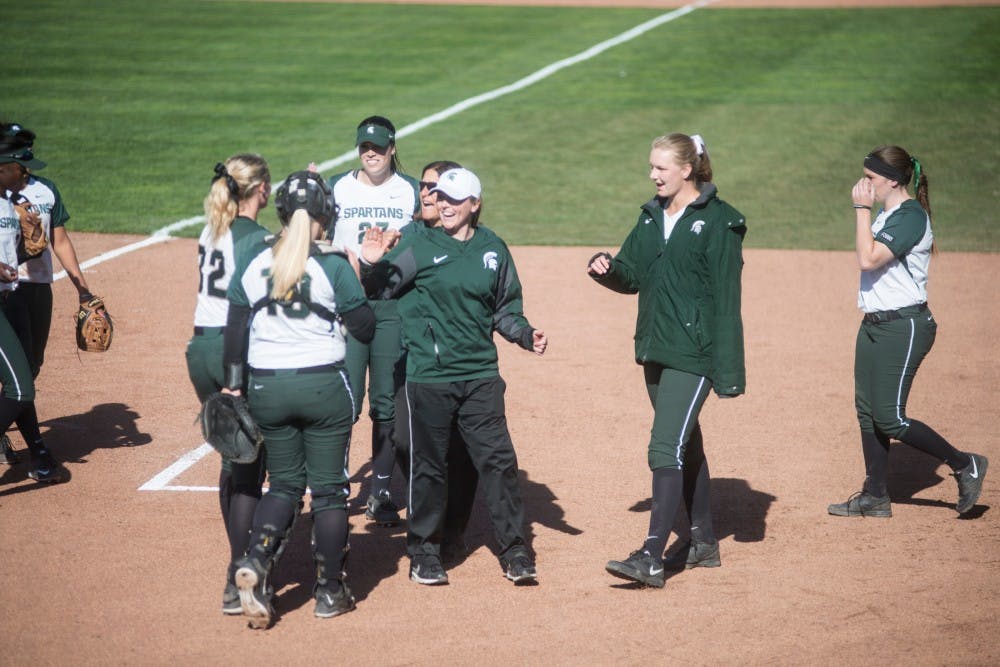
(689, 289)
(455, 294)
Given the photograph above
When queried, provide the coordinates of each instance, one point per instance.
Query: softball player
(465, 286)
(17, 400)
(31, 305)
(294, 296)
(897, 330)
(377, 195)
(240, 188)
(684, 258)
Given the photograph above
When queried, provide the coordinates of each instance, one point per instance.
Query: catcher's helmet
(307, 190)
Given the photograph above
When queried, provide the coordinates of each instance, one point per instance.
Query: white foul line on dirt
(161, 482)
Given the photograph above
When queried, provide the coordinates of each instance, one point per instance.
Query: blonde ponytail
(242, 176)
(220, 209)
(291, 253)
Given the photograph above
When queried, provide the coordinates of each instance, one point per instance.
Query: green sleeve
(245, 253)
(508, 313)
(725, 258)
(347, 288)
(623, 275)
(903, 230)
(395, 272)
(59, 214)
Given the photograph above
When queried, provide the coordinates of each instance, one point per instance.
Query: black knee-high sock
(383, 457)
(240, 522)
(697, 489)
(27, 424)
(668, 485)
(926, 439)
(330, 532)
(875, 447)
(9, 410)
(225, 496)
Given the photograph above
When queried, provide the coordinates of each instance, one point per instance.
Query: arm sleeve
(622, 277)
(392, 275)
(508, 314)
(360, 322)
(726, 266)
(234, 345)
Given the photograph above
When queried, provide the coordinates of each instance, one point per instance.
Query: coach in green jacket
(463, 286)
(684, 259)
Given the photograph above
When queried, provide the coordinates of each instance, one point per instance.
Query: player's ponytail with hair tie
(220, 172)
(702, 162)
(917, 169)
(699, 145)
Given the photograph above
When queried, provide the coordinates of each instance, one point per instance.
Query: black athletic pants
(477, 408)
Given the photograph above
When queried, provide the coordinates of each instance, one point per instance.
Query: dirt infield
(97, 572)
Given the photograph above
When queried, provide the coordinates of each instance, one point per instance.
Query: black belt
(889, 315)
(201, 331)
(326, 368)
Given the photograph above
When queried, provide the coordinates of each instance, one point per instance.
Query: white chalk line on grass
(161, 481)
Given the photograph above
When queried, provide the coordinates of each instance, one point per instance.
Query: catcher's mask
(307, 190)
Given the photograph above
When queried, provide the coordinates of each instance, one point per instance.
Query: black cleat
(640, 566)
(970, 482)
(863, 503)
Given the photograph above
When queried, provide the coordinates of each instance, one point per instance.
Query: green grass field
(135, 103)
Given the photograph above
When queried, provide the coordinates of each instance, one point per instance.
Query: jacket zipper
(437, 352)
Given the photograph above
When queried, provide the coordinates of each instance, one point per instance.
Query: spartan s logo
(696, 227)
(490, 261)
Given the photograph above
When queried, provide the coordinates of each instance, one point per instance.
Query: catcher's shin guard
(272, 528)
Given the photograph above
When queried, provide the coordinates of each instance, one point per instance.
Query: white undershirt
(669, 221)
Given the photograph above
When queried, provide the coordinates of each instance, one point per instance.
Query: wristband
(234, 378)
(862, 206)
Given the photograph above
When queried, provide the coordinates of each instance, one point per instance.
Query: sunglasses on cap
(26, 154)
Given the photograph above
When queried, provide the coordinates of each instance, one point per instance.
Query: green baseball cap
(16, 146)
(375, 134)
(21, 154)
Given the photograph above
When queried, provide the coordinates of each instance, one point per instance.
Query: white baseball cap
(459, 184)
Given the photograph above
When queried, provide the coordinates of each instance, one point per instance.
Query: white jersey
(10, 234)
(293, 336)
(216, 266)
(390, 205)
(901, 282)
(43, 196)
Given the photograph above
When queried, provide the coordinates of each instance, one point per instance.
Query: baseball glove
(94, 327)
(228, 427)
(33, 239)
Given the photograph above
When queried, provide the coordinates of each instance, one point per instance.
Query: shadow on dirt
(541, 507)
(737, 511)
(912, 471)
(379, 552)
(374, 556)
(72, 437)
